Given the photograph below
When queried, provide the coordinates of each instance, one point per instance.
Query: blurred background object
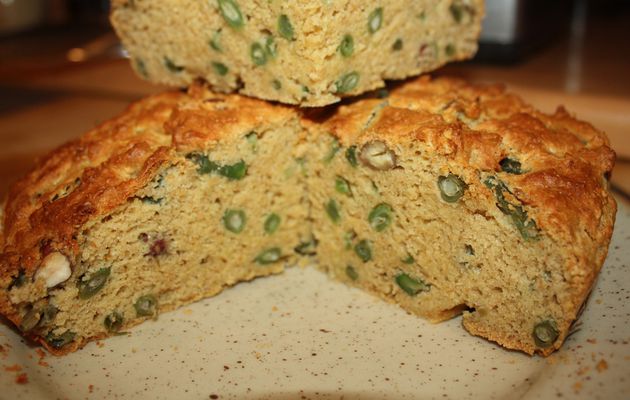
(19, 15)
(62, 69)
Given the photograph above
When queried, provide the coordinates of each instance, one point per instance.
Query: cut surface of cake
(309, 52)
(443, 197)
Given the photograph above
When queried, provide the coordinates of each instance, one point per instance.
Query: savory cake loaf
(308, 52)
(442, 197)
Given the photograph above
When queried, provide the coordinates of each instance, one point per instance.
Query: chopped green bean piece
(457, 11)
(545, 333)
(409, 259)
(19, 280)
(89, 286)
(511, 166)
(231, 13)
(215, 42)
(410, 285)
(348, 238)
(525, 225)
(398, 45)
(271, 47)
(332, 209)
(380, 217)
(220, 68)
(346, 48)
(343, 186)
(234, 220)
(352, 273)
(252, 139)
(235, 171)
(272, 223)
(363, 250)
(334, 149)
(451, 188)
(269, 256)
(382, 93)
(285, 29)
(141, 67)
(257, 52)
(146, 305)
(449, 50)
(113, 322)
(151, 200)
(307, 248)
(351, 155)
(30, 320)
(48, 314)
(347, 82)
(204, 165)
(375, 20)
(171, 66)
(59, 341)
(276, 84)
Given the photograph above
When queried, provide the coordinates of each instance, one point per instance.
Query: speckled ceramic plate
(300, 336)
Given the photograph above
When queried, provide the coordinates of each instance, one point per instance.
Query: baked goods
(442, 197)
(309, 52)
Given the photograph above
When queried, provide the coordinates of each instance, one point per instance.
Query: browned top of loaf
(473, 126)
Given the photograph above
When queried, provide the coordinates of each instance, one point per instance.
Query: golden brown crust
(475, 127)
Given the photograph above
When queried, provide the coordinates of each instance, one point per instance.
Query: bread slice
(308, 52)
(442, 197)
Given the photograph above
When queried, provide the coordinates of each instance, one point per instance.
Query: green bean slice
(334, 149)
(343, 186)
(451, 187)
(19, 280)
(204, 165)
(375, 20)
(59, 341)
(271, 47)
(113, 322)
(346, 48)
(91, 285)
(380, 217)
(146, 306)
(409, 259)
(258, 54)
(545, 333)
(272, 223)
(332, 209)
(352, 273)
(348, 82)
(231, 13)
(235, 171)
(307, 248)
(511, 166)
(363, 250)
(234, 220)
(171, 66)
(220, 68)
(410, 285)
(351, 156)
(285, 29)
(215, 41)
(269, 256)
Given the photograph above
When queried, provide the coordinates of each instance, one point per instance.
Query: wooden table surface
(51, 108)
